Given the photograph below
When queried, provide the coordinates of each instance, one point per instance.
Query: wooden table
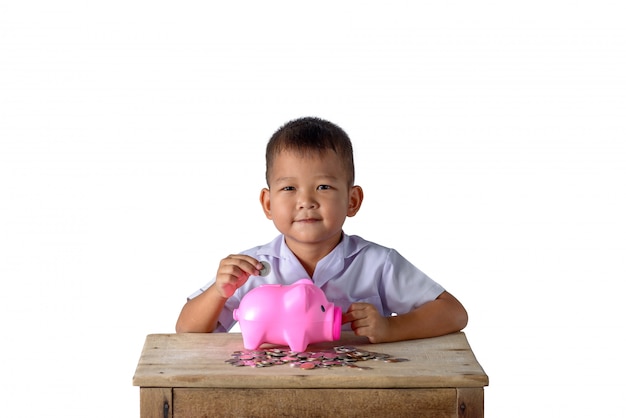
(185, 375)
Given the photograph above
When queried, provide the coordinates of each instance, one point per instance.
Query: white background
(490, 142)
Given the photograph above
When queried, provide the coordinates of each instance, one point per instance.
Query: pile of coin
(341, 356)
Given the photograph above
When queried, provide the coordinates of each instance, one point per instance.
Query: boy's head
(311, 191)
(314, 136)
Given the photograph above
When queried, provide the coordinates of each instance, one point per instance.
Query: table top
(199, 360)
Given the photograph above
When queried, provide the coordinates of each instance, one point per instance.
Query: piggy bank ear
(297, 298)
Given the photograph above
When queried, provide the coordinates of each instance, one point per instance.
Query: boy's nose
(306, 201)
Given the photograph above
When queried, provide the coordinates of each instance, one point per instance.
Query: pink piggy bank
(296, 315)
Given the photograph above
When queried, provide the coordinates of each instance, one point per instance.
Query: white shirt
(356, 270)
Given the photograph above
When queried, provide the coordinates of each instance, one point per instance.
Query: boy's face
(309, 198)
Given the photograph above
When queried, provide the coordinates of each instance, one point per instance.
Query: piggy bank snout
(336, 322)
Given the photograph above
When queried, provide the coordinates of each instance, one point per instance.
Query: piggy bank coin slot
(323, 309)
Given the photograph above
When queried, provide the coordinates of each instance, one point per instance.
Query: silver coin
(265, 270)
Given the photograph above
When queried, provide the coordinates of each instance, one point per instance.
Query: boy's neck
(310, 254)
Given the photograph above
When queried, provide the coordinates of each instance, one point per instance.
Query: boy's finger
(245, 263)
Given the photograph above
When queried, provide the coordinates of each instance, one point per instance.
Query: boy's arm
(441, 316)
(201, 313)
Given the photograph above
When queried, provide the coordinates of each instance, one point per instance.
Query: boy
(311, 191)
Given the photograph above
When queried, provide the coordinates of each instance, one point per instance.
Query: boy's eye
(323, 187)
(288, 188)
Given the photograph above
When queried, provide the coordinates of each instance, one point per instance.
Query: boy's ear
(265, 202)
(356, 198)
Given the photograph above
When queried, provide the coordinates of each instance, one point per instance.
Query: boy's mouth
(307, 220)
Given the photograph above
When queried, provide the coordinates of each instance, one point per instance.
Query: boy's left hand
(367, 322)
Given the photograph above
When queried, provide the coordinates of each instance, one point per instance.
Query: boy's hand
(367, 322)
(233, 272)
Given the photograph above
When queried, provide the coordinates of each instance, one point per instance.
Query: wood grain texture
(339, 403)
(198, 360)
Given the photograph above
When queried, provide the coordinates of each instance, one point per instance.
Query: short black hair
(311, 135)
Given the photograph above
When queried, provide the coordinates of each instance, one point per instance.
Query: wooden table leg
(470, 402)
(155, 402)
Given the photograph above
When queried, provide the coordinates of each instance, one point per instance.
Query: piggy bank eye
(323, 309)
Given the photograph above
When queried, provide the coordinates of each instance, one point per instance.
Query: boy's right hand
(234, 272)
